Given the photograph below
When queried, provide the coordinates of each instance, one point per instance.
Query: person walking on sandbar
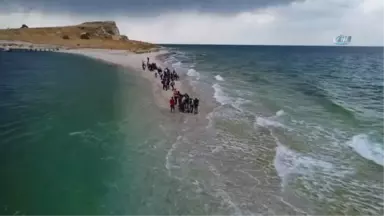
(172, 104)
(196, 105)
(173, 85)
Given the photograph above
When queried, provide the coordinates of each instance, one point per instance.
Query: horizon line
(302, 45)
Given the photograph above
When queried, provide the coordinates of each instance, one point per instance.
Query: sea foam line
(168, 164)
(193, 73)
(288, 161)
(270, 121)
(363, 146)
(219, 94)
(219, 78)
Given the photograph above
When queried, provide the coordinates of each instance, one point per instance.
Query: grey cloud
(142, 7)
(326, 10)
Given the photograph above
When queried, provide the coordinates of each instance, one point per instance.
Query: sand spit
(133, 61)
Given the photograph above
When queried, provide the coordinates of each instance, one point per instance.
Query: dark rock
(24, 26)
(107, 37)
(109, 27)
(124, 38)
(65, 37)
(85, 35)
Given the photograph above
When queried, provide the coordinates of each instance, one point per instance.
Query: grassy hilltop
(100, 35)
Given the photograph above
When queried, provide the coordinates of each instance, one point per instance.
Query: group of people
(185, 103)
(167, 78)
(151, 66)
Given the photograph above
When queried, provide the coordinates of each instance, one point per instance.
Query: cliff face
(98, 34)
(103, 30)
(106, 29)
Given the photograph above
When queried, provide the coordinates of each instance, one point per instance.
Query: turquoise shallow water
(78, 136)
(69, 134)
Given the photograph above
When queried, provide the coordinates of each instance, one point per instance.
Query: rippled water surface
(281, 130)
(313, 116)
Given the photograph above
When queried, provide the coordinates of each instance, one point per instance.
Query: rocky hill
(101, 35)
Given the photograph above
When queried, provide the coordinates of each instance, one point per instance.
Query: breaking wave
(363, 146)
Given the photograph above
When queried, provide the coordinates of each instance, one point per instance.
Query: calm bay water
(66, 135)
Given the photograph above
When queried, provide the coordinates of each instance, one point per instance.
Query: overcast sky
(283, 22)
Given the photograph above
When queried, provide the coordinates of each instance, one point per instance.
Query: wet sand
(123, 58)
(20, 45)
(133, 61)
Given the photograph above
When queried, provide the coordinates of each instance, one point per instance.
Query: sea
(282, 130)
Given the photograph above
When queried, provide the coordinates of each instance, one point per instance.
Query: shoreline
(132, 61)
(25, 45)
(21, 45)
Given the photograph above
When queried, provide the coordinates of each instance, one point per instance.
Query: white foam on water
(76, 133)
(224, 98)
(271, 122)
(168, 163)
(193, 73)
(219, 95)
(209, 117)
(289, 162)
(280, 113)
(362, 145)
(283, 162)
(219, 78)
(268, 122)
(217, 149)
(177, 64)
(238, 102)
(87, 136)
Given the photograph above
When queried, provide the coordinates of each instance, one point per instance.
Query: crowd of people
(185, 103)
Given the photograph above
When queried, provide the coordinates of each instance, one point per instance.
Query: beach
(279, 131)
(118, 57)
(133, 61)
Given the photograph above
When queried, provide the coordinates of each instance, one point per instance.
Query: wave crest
(193, 73)
(362, 145)
(219, 78)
